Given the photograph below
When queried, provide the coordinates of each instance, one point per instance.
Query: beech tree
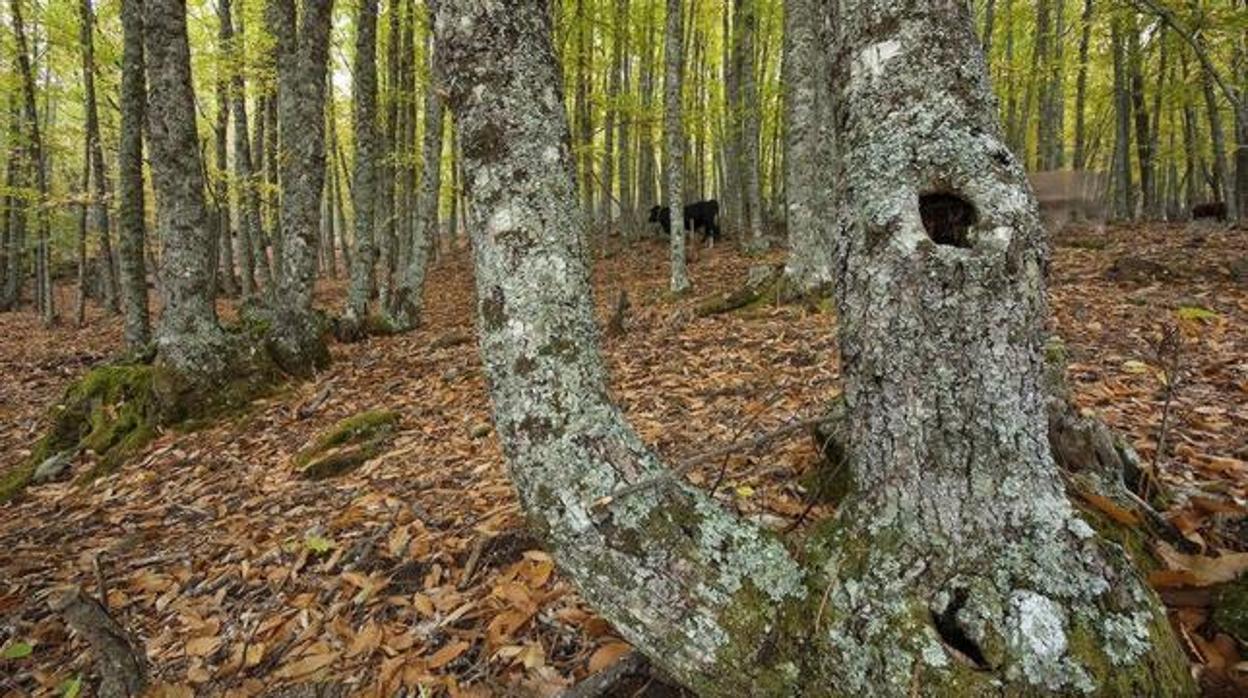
(956, 565)
(808, 268)
(296, 337)
(674, 144)
(130, 224)
(364, 186)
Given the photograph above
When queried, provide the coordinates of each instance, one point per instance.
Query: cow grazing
(700, 215)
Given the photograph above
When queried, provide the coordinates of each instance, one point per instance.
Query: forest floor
(415, 569)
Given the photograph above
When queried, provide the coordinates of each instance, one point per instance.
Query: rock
(52, 468)
(1137, 270)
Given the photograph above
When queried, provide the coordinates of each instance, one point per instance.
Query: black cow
(703, 215)
(1215, 209)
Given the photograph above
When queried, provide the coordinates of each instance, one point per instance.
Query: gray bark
(957, 535)
(37, 165)
(100, 190)
(302, 53)
(674, 138)
(15, 211)
(221, 186)
(752, 108)
(407, 304)
(248, 201)
(364, 188)
(1223, 188)
(1143, 145)
(131, 224)
(807, 154)
(386, 211)
(1124, 193)
(188, 338)
(1081, 88)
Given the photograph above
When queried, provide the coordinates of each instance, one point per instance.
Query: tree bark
(221, 185)
(1124, 193)
(1143, 146)
(189, 340)
(100, 192)
(1081, 89)
(296, 339)
(751, 123)
(364, 188)
(674, 138)
(15, 210)
(807, 188)
(408, 302)
(131, 222)
(957, 566)
(38, 165)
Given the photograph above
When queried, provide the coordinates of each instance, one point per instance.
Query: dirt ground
(415, 570)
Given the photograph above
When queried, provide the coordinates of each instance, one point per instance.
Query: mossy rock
(347, 445)
(1230, 609)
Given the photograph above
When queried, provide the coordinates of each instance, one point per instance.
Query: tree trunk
(188, 338)
(364, 188)
(95, 153)
(38, 165)
(750, 127)
(80, 303)
(221, 185)
(1081, 89)
(807, 189)
(131, 224)
(264, 229)
(1143, 146)
(1124, 199)
(674, 138)
(624, 135)
(408, 302)
(15, 210)
(646, 193)
(386, 211)
(1222, 187)
(296, 339)
(960, 568)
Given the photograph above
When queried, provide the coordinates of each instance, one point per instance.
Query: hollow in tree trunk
(956, 566)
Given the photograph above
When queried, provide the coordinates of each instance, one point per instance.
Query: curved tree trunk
(957, 566)
(674, 143)
(302, 55)
(807, 157)
(364, 187)
(130, 223)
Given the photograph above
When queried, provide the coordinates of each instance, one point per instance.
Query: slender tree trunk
(1124, 199)
(95, 153)
(1081, 89)
(188, 338)
(807, 189)
(674, 137)
(386, 212)
(646, 190)
(15, 209)
(990, 24)
(221, 185)
(753, 116)
(261, 200)
(1143, 147)
(961, 536)
(131, 222)
(296, 340)
(584, 108)
(38, 165)
(80, 304)
(1222, 186)
(624, 136)
(273, 188)
(408, 302)
(606, 205)
(364, 189)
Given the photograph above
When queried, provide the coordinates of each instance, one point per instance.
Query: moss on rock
(347, 445)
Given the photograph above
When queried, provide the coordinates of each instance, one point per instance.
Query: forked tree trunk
(674, 143)
(957, 567)
(130, 219)
(364, 188)
(807, 189)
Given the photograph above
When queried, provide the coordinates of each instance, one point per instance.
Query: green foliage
(1191, 312)
(16, 650)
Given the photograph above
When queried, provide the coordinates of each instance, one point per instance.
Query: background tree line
(1150, 92)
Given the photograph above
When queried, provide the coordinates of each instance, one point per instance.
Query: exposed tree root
(348, 445)
(767, 286)
(119, 658)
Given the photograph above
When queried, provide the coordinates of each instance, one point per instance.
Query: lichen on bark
(955, 565)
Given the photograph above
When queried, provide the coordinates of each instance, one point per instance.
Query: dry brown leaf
(366, 641)
(203, 646)
(306, 665)
(607, 655)
(447, 654)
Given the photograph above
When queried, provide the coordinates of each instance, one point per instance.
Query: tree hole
(947, 218)
(952, 633)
